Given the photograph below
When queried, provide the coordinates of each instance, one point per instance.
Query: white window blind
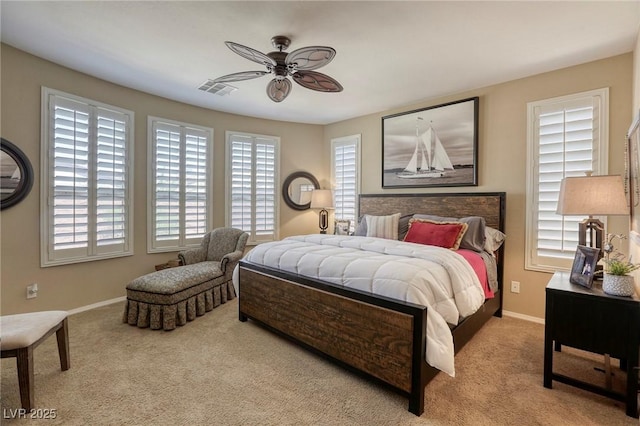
(180, 159)
(86, 180)
(252, 176)
(345, 173)
(567, 137)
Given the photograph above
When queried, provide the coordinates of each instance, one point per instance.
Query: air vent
(219, 89)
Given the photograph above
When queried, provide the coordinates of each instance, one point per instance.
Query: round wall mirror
(16, 174)
(296, 190)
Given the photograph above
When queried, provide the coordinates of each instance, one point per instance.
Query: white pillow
(383, 226)
(493, 240)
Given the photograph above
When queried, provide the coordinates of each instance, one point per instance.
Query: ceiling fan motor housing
(280, 70)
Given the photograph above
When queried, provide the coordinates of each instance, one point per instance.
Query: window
(252, 176)
(567, 136)
(345, 177)
(86, 195)
(179, 189)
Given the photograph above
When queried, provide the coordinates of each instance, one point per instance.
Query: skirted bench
(173, 296)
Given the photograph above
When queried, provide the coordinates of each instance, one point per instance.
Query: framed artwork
(341, 227)
(584, 266)
(632, 175)
(430, 147)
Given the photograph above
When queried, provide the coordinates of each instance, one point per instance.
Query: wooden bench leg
(24, 359)
(62, 334)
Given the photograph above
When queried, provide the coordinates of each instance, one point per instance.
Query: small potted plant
(616, 280)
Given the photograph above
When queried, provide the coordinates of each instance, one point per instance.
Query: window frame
(343, 141)
(153, 244)
(600, 164)
(229, 134)
(93, 251)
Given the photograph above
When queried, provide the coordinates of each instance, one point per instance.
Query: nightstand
(591, 320)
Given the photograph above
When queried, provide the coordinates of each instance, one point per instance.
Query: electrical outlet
(32, 291)
(515, 287)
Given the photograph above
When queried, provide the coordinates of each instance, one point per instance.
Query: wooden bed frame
(382, 338)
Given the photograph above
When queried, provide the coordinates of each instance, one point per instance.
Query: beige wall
(501, 168)
(73, 286)
(502, 152)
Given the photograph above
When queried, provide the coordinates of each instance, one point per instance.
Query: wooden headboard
(490, 205)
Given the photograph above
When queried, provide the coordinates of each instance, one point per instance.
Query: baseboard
(97, 305)
(123, 298)
(523, 317)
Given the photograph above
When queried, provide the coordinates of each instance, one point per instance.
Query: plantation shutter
(265, 190)
(568, 142)
(241, 183)
(69, 186)
(167, 184)
(180, 190)
(345, 178)
(252, 171)
(86, 194)
(196, 185)
(111, 181)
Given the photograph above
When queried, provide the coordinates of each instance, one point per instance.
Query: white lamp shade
(592, 196)
(322, 199)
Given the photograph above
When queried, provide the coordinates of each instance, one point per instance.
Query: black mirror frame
(26, 174)
(285, 189)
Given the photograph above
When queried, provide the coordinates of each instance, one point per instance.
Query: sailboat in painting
(429, 160)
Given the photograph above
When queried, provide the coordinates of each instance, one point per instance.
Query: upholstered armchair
(224, 245)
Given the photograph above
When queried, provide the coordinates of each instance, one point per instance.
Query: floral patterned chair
(173, 296)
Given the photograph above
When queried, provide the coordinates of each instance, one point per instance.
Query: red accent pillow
(441, 234)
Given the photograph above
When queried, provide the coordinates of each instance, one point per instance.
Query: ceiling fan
(297, 64)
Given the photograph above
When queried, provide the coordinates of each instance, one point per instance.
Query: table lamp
(592, 196)
(322, 199)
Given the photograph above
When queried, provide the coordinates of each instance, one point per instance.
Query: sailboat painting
(434, 157)
(435, 146)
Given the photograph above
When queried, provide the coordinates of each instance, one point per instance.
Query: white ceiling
(389, 54)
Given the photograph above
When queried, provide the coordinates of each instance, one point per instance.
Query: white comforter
(434, 277)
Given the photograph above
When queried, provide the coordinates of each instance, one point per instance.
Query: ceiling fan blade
(317, 81)
(250, 54)
(278, 90)
(310, 58)
(239, 76)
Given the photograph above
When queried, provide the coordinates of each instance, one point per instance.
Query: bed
(380, 337)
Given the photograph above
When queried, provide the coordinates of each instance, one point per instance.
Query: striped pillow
(383, 226)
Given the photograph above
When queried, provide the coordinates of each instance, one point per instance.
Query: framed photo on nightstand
(342, 227)
(584, 266)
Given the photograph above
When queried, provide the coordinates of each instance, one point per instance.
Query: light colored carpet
(217, 370)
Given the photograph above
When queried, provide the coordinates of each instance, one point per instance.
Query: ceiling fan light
(278, 90)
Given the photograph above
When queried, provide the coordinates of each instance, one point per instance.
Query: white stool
(20, 334)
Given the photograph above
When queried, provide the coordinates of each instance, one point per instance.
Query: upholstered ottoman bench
(170, 297)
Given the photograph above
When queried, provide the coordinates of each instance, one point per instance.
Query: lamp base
(595, 229)
(323, 221)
